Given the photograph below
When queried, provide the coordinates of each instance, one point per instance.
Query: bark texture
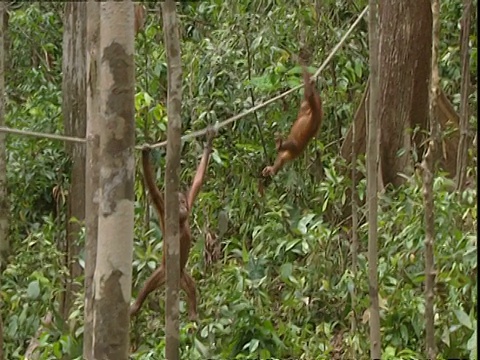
(405, 58)
(4, 246)
(405, 43)
(404, 55)
(372, 179)
(4, 203)
(74, 119)
(113, 271)
(172, 235)
(428, 167)
(462, 154)
(92, 170)
(447, 117)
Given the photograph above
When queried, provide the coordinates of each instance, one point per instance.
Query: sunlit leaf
(33, 290)
(463, 318)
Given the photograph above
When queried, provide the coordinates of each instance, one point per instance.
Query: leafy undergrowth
(283, 287)
(283, 290)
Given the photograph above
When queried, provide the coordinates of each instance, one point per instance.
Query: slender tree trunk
(92, 170)
(113, 271)
(172, 236)
(462, 153)
(354, 246)
(74, 118)
(4, 203)
(372, 179)
(1, 336)
(4, 244)
(428, 167)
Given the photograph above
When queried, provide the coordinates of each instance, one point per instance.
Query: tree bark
(405, 58)
(428, 167)
(113, 271)
(446, 116)
(405, 43)
(372, 179)
(92, 170)
(4, 204)
(74, 118)
(462, 153)
(172, 235)
(354, 243)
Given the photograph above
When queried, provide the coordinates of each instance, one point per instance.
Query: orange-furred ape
(185, 206)
(303, 129)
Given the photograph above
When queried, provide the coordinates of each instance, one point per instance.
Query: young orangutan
(303, 129)
(185, 206)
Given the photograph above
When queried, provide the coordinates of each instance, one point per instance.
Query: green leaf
(302, 224)
(265, 354)
(358, 69)
(148, 99)
(472, 342)
(33, 290)
(216, 157)
(463, 318)
(446, 336)
(286, 271)
(253, 345)
(201, 347)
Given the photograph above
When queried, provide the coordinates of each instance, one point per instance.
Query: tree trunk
(92, 170)
(372, 179)
(74, 118)
(113, 271)
(4, 203)
(172, 236)
(446, 116)
(462, 154)
(405, 43)
(428, 167)
(1, 331)
(4, 245)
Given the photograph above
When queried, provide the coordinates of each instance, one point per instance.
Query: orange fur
(304, 128)
(185, 205)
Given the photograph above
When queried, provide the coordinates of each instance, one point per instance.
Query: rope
(5, 129)
(278, 97)
(217, 125)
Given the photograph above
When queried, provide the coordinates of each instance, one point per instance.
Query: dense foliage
(282, 288)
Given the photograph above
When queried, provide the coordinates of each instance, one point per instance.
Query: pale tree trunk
(113, 271)
(462, 153)
(372, 179)
(172, 236)
(428, 168)
(92, 170)
(74, 118)
(4, 243)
